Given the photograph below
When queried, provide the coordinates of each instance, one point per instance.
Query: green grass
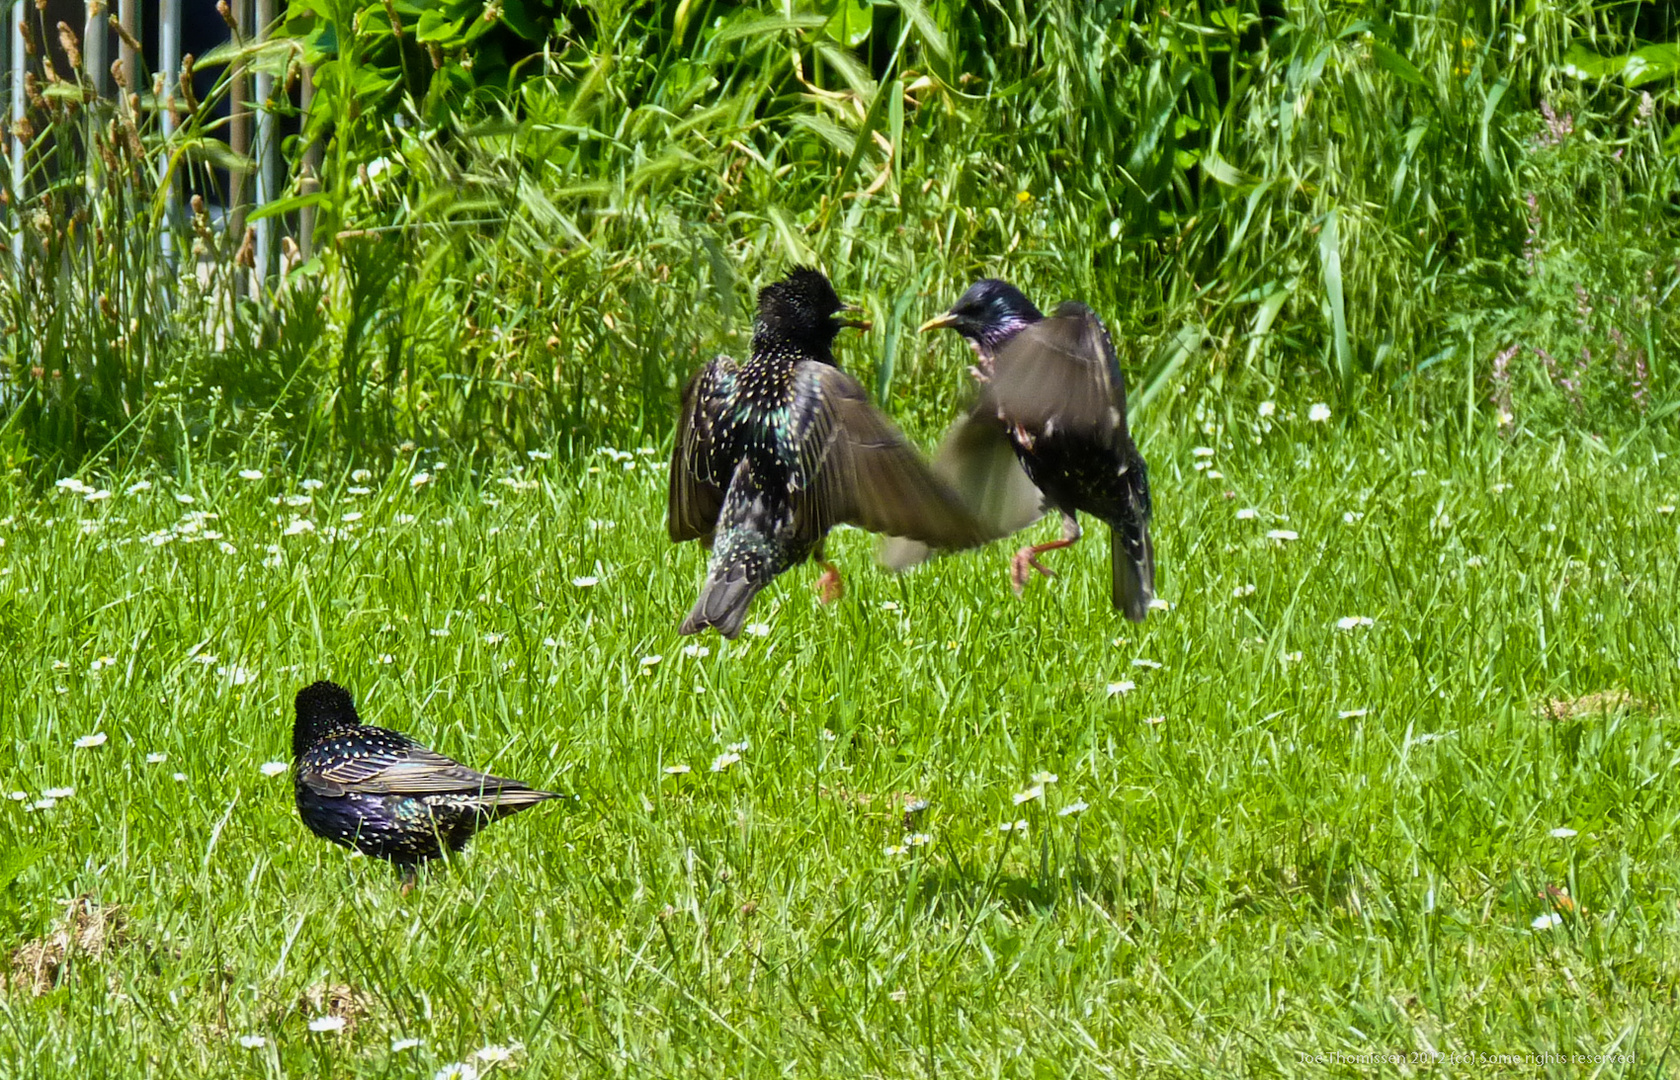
(1258, 876)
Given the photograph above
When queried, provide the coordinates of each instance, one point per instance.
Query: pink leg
(1026, 560)
(829, 587)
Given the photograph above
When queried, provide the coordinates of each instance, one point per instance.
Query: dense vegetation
(1392, 773)
(529, 226)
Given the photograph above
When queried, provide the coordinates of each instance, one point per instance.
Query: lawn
(1393, 773)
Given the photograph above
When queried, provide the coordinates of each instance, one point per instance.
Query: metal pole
(267, 147)
(130, 19)
(169, 63)
(239, 126)
(309, 180)
(20, 62)
(95, 36)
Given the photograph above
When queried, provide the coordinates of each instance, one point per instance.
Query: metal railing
(98, 34)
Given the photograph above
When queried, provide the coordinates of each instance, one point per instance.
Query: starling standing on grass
(384, 794)
(1052, 399)
(772, 454)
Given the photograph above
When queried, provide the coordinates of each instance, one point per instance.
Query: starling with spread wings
(384, 794)
(773, 453)
(1047, 431)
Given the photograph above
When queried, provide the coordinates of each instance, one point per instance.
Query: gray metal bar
(267, 147)
(20, 63)
(239, 126)
(169, 63)
(129, 16)
(96, 36)
(309, 180)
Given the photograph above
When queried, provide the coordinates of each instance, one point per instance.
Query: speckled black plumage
(773, 453)
(1052, 390)
(384, 794)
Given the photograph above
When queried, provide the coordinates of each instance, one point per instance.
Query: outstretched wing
(851, 465)
(1061, 373)
(977, 459)
(696, 493)
(387, 763)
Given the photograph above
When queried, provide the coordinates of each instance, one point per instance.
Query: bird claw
(1022, 566)
(829, 587)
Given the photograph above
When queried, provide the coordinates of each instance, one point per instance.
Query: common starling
(772, 454)
(1050, 392)
(384, 794)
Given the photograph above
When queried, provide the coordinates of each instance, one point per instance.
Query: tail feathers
(512, 799)
(1131, 560)
(723, 603)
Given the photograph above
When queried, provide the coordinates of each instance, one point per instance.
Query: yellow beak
(860, 324)
(938, 322)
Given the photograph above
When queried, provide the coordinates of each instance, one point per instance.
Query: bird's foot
(829, 587)
(408, 878)
(1022, 566)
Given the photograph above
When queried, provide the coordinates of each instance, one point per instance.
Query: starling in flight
(384, 794)
(1052, 399)
(773, 453)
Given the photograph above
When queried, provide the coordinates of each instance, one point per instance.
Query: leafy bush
(533, 225)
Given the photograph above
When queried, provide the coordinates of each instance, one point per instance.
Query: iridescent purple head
(990, 313)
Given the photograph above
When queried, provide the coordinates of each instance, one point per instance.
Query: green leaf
(433, 26)
(285, 206)
(746, 28)
(1651, 64)
(1395, 64)
(933, 38)
(1330, 259)
(851, 22)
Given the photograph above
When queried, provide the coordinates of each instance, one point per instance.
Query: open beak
(860, 324)
(938, 322)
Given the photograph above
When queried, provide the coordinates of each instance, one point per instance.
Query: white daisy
(419, 479)
(252, 1042)
(1013, 826)
(1354, 622)
(1044, 777)
(1268, 408)
(58, 792)
(493, 638)
(1319, 412)
(327, 1024)
(1124, 686)
(312, 484)
(758, 629)
(588, 581)
(399, 1045)
(299, 526)
(1247, 513)
(361, 476)
(495, 1055)
(677, 770)
(138, 486)
(650, 661)
(1547, 921)
(1564, 833)
(88, 742)
(723, 761)
(1153, 665)
(1153, 720)
(1283, 535)
(539, 455)
(1353, 714)
(250, 474)
(156, 758)
(273, 768)
(1077, 806)
(696, 652)
(460, 1070)
(1027, 796)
